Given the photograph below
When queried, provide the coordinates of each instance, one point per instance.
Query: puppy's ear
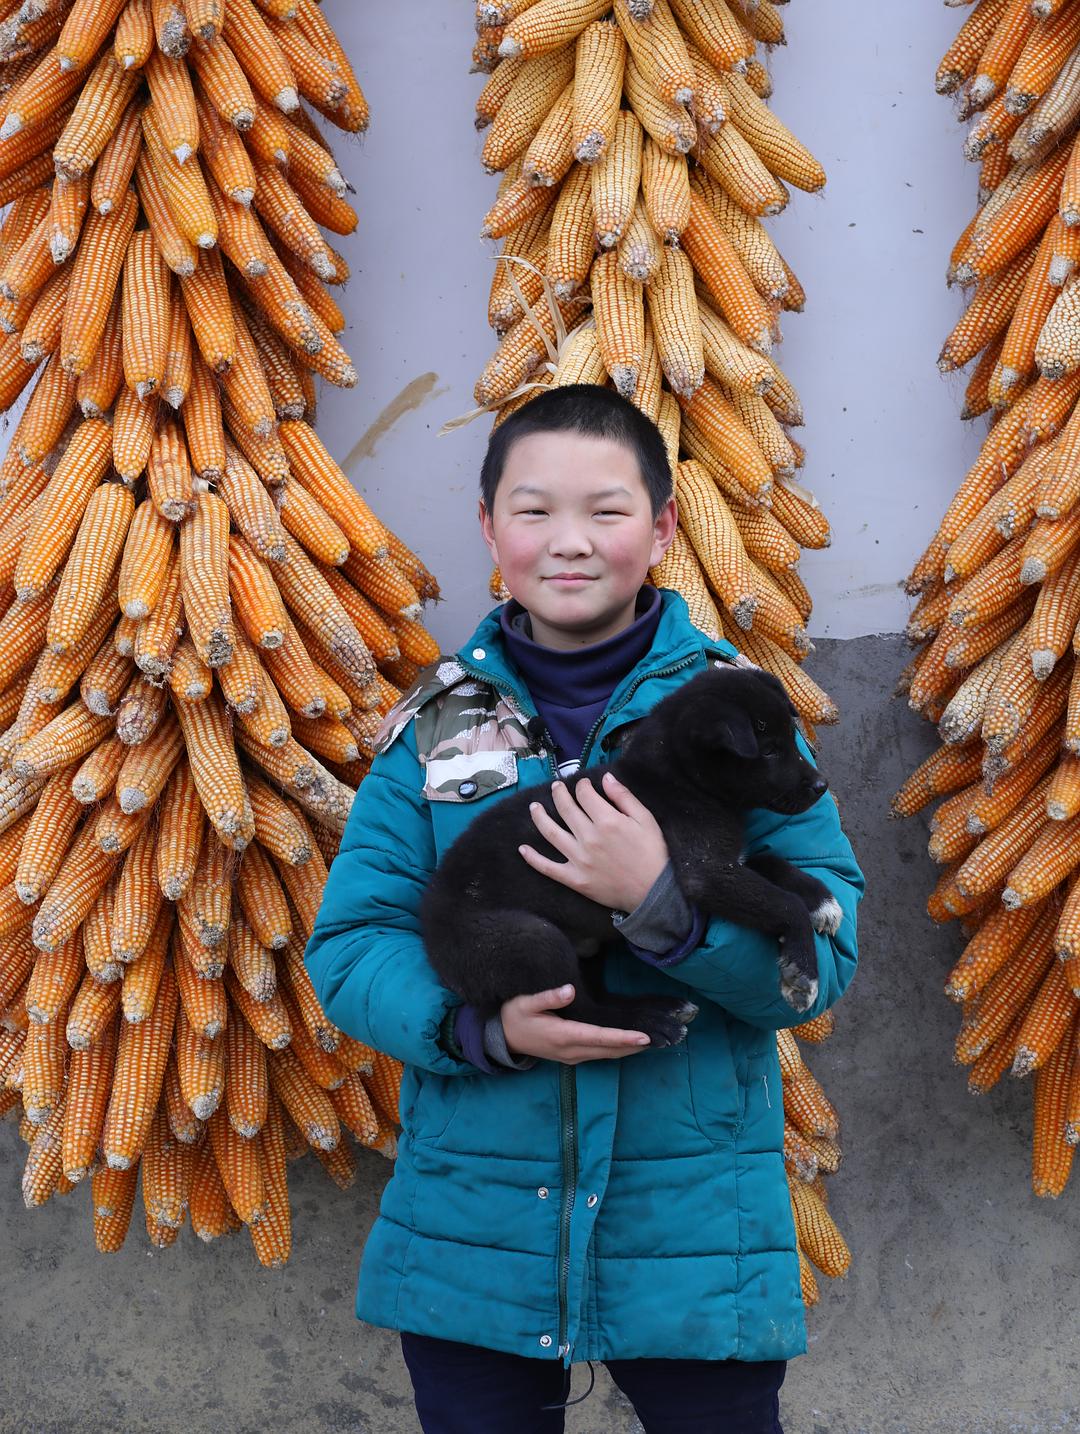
(733, 730)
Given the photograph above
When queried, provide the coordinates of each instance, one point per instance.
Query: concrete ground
(960, 1315)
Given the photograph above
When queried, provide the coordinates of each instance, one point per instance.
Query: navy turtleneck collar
(572, 687)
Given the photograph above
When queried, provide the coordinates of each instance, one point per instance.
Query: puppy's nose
(819, 786)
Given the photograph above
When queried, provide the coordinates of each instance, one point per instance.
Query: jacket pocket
(761, 1101)
(433, 1103)
(511, 1115)
(715, 1090)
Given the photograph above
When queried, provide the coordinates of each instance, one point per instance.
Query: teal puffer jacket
(612, 1210)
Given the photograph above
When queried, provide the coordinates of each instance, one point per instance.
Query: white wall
(885, 446)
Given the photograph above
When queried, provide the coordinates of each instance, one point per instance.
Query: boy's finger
(544, 1000)
(566, 804)
(590, 799)
(551, 830)
(556, 870)
(603, 1037)
(600, 1053)
(623, 798)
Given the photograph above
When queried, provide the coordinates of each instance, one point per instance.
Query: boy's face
(573, 534)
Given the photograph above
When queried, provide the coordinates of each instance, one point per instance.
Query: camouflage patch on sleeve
(433, 680)
(466, 732)
(470, 718)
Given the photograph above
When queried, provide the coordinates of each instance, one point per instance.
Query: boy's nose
(569, 544)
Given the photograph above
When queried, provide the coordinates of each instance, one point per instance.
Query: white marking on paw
(798, 989)
(828, 916)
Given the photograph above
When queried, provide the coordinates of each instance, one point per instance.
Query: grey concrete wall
(959, 1316)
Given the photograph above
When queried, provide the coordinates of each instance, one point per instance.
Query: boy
(564, 1191)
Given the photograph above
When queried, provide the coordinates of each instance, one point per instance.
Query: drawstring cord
(566, 1389)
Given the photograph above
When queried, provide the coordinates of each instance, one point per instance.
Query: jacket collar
(677, 642)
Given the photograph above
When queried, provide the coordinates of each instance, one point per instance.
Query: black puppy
(723, 743)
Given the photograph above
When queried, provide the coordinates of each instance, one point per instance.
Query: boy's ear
(487, 531)
(663, 531)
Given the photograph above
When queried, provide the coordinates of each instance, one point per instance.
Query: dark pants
(465, 1389)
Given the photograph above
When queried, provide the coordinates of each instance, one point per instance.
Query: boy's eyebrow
(618, 489)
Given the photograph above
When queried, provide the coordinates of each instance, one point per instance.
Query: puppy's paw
(665, 1022)
(798, 988)
(828, 916)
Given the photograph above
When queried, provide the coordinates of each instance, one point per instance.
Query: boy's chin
(578, 621)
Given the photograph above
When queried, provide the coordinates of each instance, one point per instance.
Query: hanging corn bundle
(999, 584)
(637, 160)
(201, 621)
(811, 1151)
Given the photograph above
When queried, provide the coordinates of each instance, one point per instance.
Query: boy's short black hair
(583, 408)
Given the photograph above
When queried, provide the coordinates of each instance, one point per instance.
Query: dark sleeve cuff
(680, 952)
(448, 1039)
(483, 1043)
(664, 928)
(496, 1049)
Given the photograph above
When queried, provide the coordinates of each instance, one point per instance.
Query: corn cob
(59, 512)
(204, 571)
(254, 45)
(210, 1209)
(600, 57)
(90, 1072)
(240, 1168)
(116, 166)
(94, 279)
(309, 1105)
(615, 179)
(200, 1066)
(1052, 1152)
(215, 769)
(140, 1070)
(91, 565)
(46, 838)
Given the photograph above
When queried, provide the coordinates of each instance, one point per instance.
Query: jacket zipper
(625, 698)
(567, 1074)
(568, 1115)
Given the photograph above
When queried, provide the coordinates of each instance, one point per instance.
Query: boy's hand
(531, 1029)
(613, 847)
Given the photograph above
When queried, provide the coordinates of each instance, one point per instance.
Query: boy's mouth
(570, 578)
